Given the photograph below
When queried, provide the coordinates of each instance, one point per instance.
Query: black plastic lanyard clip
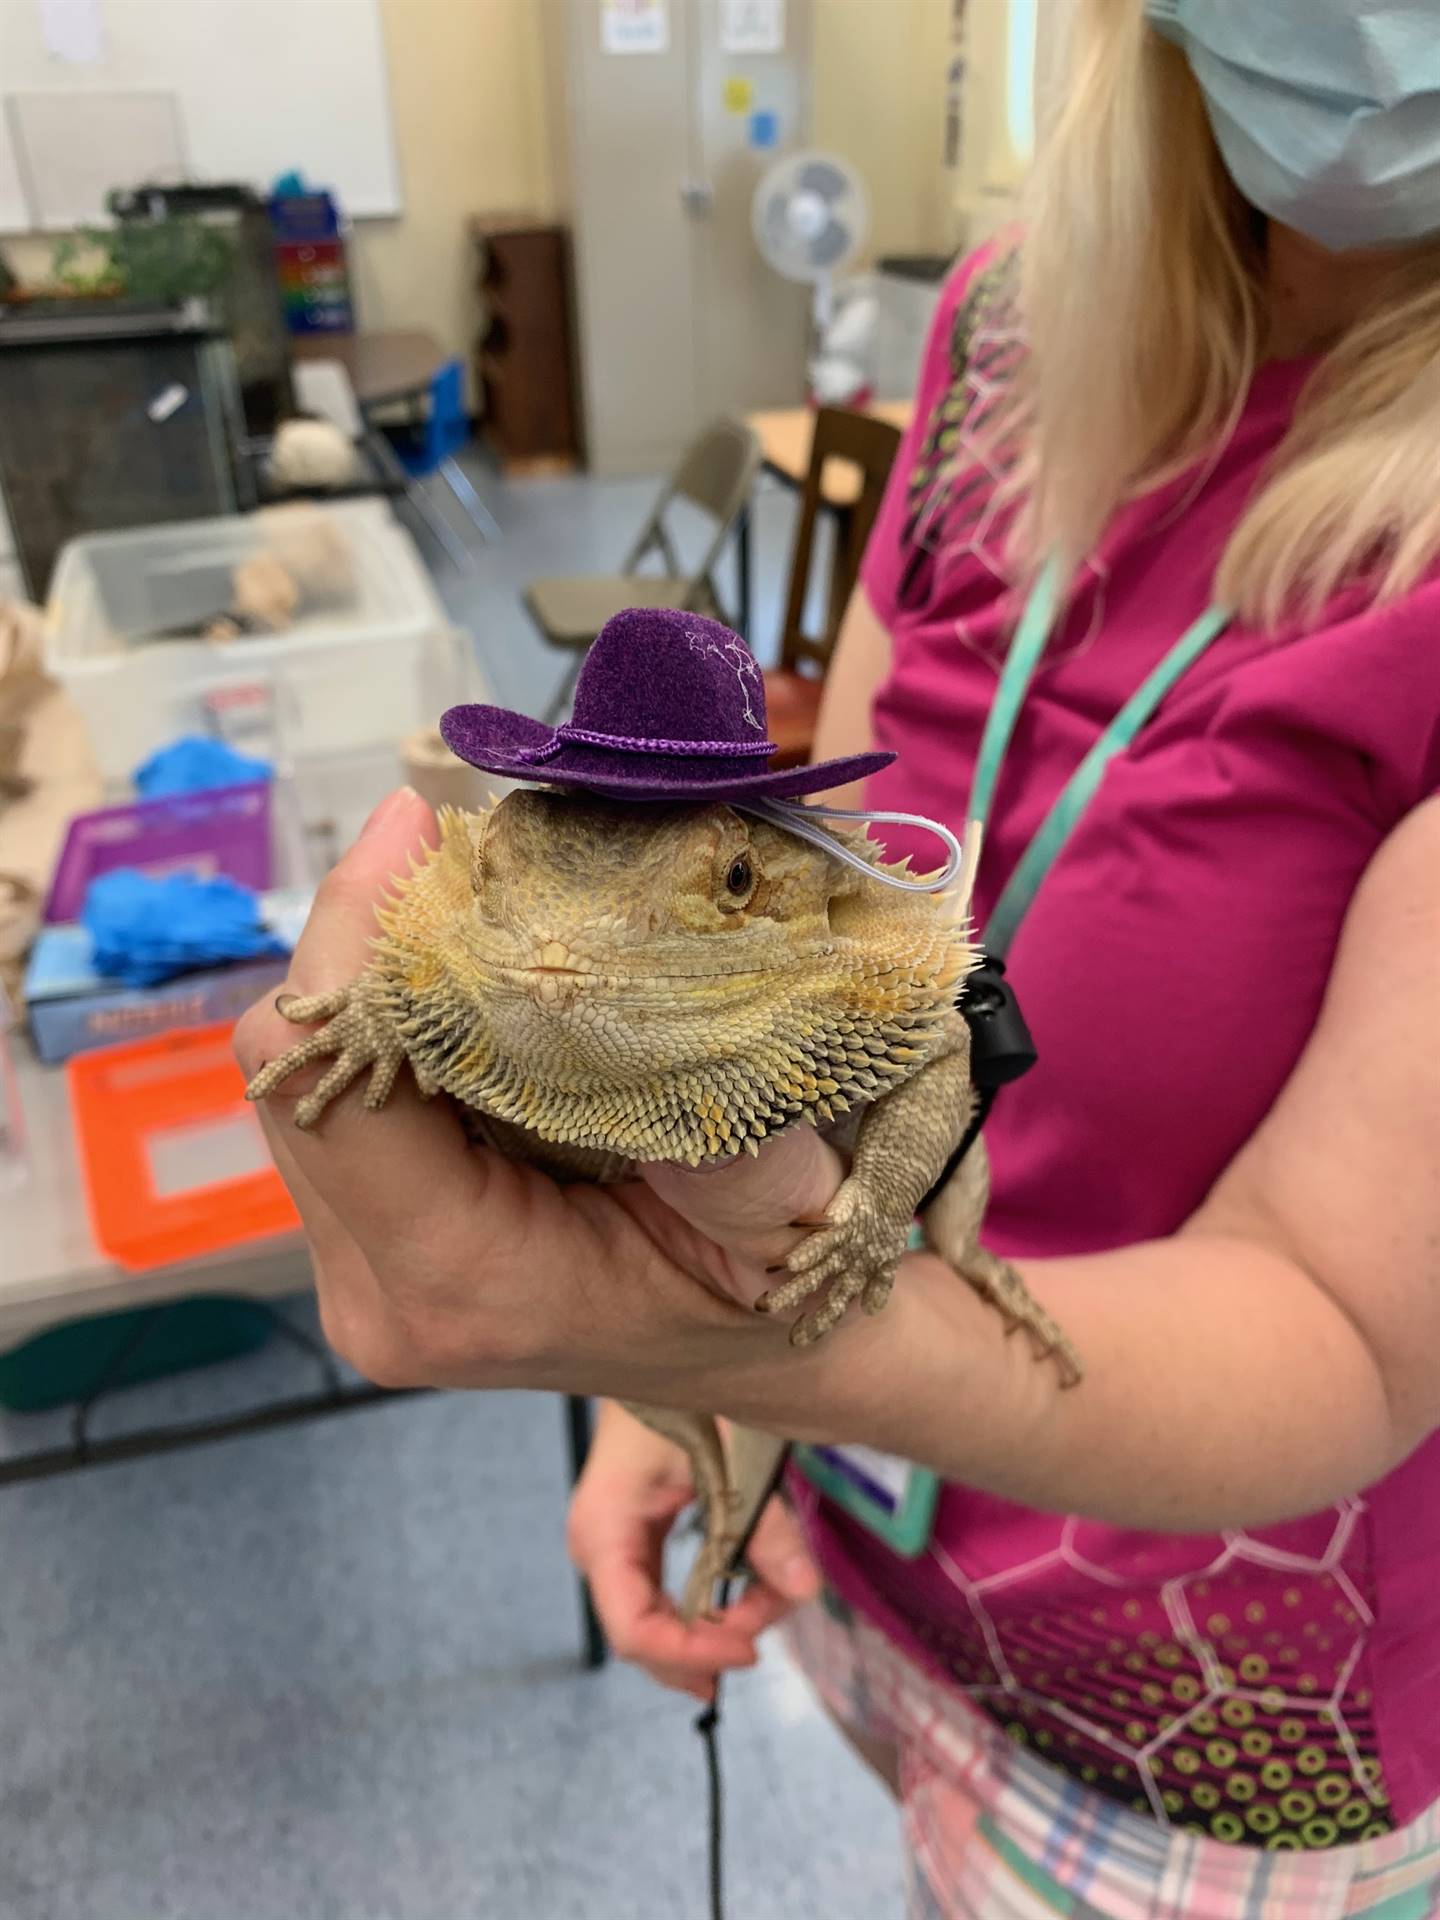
(1000, 1045)
(1001, 1050)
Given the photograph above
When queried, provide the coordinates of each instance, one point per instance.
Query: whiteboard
(261, 87)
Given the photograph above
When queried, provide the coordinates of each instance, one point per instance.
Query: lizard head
(579, 895)
(661, 982)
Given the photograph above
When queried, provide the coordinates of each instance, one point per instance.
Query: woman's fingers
(622, 1512)
(639, 1617)
(677, 1681)
(624, 1569)
(784, 1568)
(642, 1625)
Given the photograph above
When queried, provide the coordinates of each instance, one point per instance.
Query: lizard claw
(352, 1037)
(304, 1011)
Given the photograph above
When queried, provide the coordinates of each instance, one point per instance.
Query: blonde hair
(1142, 298)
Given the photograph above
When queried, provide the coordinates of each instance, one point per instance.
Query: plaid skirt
(994, 1833)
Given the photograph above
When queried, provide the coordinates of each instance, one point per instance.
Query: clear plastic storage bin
(367, 654)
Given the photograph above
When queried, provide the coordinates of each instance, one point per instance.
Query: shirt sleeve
(883, 566)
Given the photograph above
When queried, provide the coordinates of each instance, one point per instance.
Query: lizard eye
(737, 883)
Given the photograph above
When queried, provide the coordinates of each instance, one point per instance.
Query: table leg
(578, 1429)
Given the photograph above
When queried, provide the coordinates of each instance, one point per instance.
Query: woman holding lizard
(1171, 1645)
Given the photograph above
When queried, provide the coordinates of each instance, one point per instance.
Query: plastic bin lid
(174, 1162)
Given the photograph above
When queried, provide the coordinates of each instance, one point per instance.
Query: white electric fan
(809, 217)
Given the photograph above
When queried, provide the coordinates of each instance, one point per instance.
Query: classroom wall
(468, 102)
(470, 116)
(470, 120)
(465, 85)
(879, 102)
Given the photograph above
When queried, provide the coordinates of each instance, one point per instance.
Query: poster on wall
(752, 26)
(74, 31)
(634, 26)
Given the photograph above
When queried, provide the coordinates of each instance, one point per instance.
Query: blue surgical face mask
(1326, 112)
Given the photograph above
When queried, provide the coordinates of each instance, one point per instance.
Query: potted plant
(135, 266)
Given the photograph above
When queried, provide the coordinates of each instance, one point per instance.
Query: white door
(666, 133)
(750, 107)
(629, 167)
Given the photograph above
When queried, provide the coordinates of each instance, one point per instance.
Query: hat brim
(501, 742)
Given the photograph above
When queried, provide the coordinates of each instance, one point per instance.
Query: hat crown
(656, 675)
(669, 706)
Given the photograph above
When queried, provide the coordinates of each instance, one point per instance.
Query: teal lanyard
(1031, 637)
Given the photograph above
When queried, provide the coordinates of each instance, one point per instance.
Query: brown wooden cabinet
(525, 360)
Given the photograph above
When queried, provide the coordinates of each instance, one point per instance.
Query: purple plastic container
(221, 830)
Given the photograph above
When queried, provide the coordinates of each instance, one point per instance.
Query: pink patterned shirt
(1281, 1686)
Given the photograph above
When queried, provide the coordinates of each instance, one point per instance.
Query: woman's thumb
(779, 1555)
(757, 1209)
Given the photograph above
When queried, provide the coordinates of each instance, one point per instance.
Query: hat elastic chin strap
(801, 820)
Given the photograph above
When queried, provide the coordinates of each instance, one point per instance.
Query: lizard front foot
(854, 1256)
(355, 1036)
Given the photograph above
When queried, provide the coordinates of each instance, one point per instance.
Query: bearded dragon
(600, 984)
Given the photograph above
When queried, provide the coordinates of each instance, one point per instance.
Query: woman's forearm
(1223, 1388)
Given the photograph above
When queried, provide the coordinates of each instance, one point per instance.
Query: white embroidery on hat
(736, 655)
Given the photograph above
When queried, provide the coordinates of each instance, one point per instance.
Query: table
(393, 363)
(785, 434)
(52, 1272)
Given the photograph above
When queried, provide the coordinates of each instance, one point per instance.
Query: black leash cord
(708, 1728)
(984, 1100)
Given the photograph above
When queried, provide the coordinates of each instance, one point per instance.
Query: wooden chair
(716, 475)
(793, 689)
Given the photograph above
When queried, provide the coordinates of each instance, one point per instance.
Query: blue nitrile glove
(195, 764)
(145, 930)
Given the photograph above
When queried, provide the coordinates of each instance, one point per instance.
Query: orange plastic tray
(151, 1116)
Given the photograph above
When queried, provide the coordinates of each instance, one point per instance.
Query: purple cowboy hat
(669, 706)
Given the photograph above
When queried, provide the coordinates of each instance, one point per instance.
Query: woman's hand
(634, 1487)
(441, 1264)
